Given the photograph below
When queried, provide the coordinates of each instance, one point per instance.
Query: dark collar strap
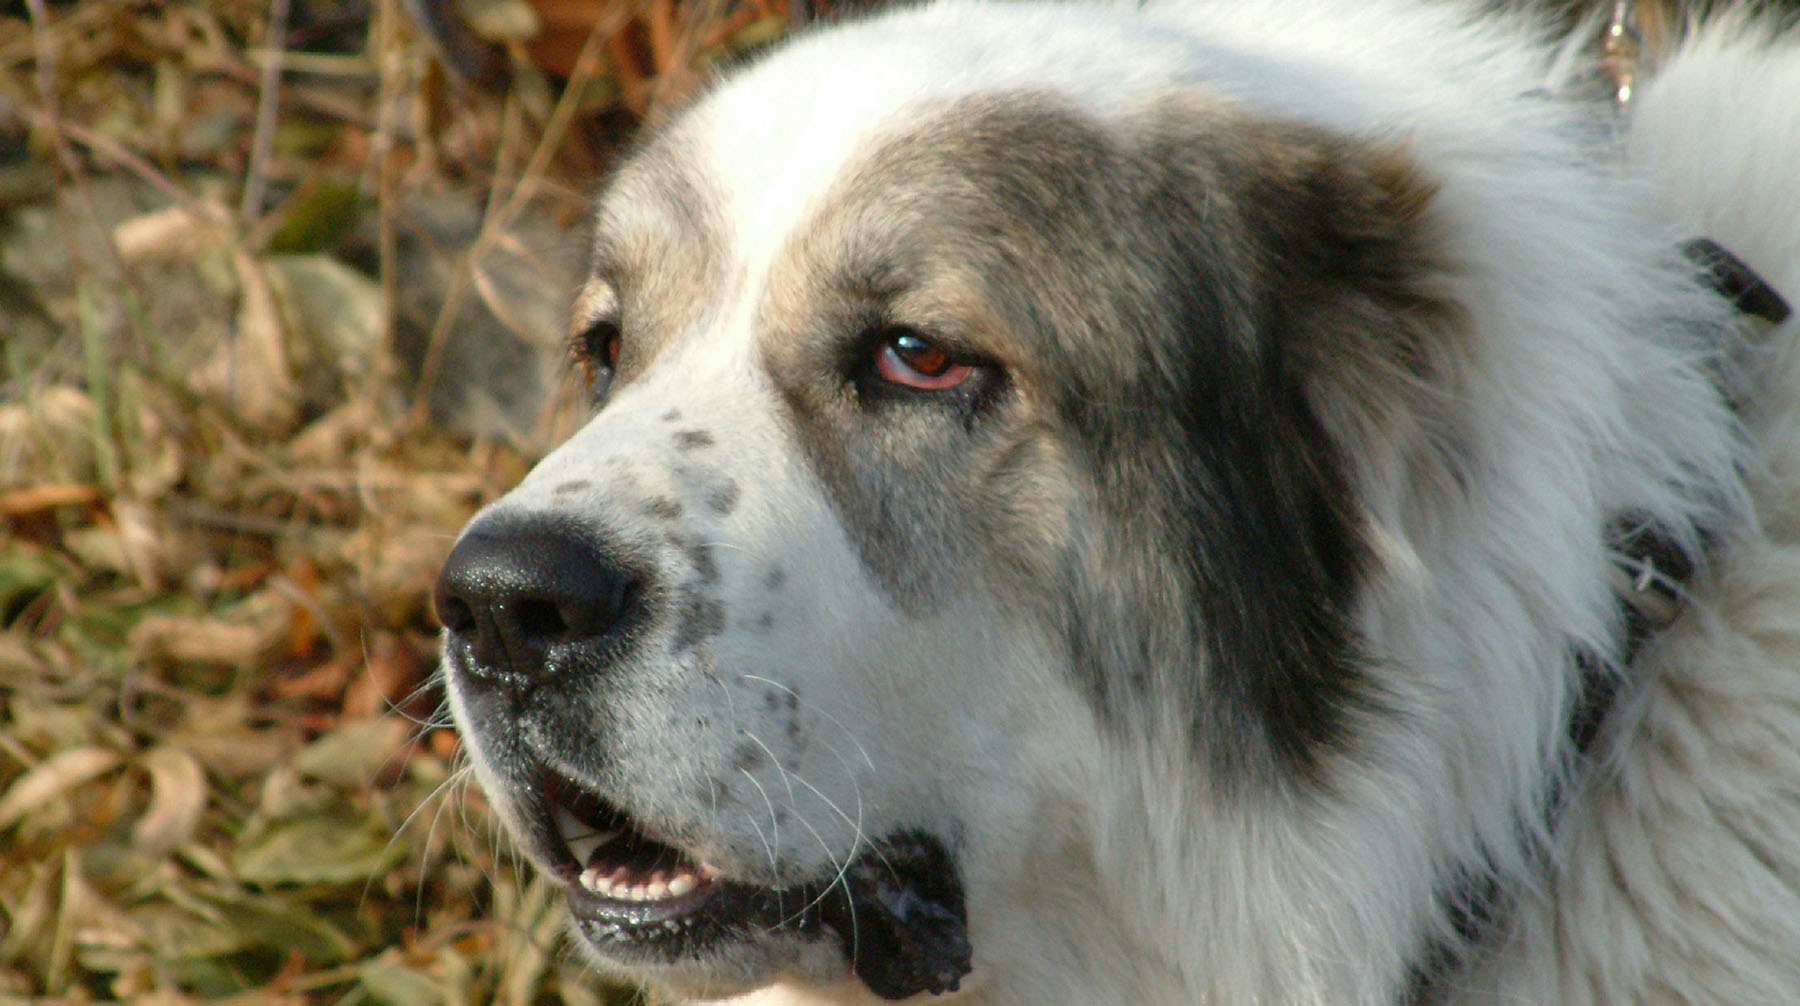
(1736, 281)
(1651, 571)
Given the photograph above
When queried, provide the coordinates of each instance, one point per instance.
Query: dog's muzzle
(538, 613)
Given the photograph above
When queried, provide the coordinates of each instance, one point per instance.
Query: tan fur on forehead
(659, 246)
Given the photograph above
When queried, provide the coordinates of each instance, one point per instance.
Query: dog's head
(982, 443)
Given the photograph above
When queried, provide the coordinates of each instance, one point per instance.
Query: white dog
(1236, 502)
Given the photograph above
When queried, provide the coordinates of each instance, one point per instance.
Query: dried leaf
(32, 499)
(391, 677)
(178, 795)
(31, 908)
(175, 233)
(335, 312)
(239, 637)
(226, 737)
(146, 545)
(356, 752)
(251, 374)
(502, 20)
(98, 547)
(51, 432)
(525, 952)
(51, 778)
(18, 660)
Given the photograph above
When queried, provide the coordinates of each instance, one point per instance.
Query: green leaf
(316, 217)
(284, 924)
(23, 575)
(389, 981)
(318, 850)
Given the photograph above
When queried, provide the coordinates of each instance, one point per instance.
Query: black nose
(514, 587)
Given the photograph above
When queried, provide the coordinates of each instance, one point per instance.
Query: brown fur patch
(658, 255)
(1196, 313)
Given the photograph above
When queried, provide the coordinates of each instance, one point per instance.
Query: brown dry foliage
(229, 468)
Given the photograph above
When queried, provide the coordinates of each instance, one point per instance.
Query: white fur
(1679, 878)
(1106, 870)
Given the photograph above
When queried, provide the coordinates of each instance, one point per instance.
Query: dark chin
(712, 959)
(895, 919)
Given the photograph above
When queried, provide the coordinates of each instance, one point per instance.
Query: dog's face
(928, 474)
(1074, 508)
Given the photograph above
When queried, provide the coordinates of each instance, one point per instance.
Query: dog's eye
(907, 357)
(595, 350)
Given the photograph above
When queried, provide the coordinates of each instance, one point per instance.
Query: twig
(124, 157)
(50, 118)
(501, 211)
(387, 195)
(462, 275)
(587, 66)
(295, 94)
(256, 182)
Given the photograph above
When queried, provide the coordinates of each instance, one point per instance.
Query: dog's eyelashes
(908, 357)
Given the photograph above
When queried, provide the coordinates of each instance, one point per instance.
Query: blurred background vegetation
(282, 287)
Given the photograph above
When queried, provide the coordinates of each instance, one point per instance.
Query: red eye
(911, 359)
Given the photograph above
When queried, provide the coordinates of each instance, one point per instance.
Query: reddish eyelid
(892, 368)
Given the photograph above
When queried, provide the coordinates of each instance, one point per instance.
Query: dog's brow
(597, 299)
(656, 248)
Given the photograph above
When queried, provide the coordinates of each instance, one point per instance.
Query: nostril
(541, 619)
(453, 612)
(515, 586)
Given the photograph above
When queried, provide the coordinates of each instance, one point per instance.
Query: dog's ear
(1339, 279)
(1315, 360)
(1357, 297)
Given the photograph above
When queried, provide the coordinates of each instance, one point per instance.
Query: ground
(281, 303)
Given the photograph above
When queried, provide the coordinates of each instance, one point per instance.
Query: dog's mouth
(896, 910)
(620, 873)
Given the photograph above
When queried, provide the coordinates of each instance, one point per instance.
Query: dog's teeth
(567, 825)
(581, 838)
(659, 887)
(583, 844)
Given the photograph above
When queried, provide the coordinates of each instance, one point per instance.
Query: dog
(1210, 502)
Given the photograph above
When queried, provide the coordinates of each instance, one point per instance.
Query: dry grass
(236, 438)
